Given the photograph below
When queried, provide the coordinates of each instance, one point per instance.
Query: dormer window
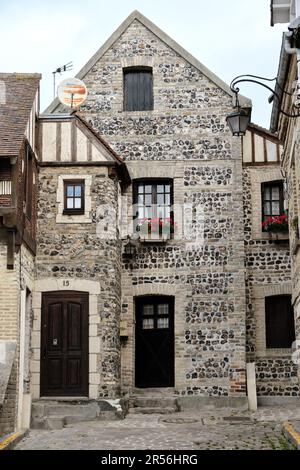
(153, 209)
(138, 89)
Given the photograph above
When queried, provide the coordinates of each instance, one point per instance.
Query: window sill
(296, 246)
(274, 352)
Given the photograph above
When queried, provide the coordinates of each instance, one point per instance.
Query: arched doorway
(64, 344)
(154, 351)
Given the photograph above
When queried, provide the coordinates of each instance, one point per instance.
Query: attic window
(138, 89)
(74, 197)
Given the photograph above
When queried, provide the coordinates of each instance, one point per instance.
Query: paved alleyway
(226, 429)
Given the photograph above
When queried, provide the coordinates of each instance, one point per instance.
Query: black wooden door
(154, 355)
(64, 344)
(280, 324)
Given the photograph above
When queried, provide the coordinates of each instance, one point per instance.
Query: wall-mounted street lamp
(239, 119)
(129, 249)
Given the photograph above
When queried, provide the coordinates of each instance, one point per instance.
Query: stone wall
(268, 272)
(9, 330)
(13, 282)
(185, 138)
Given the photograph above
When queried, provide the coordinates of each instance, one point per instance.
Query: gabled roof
(17, 94)
(120, 164)
(136, 15)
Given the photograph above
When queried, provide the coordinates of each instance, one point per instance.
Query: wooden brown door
(64, 344)
(154, 355)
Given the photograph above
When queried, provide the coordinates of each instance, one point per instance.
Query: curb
(290, 433)
(8, 442)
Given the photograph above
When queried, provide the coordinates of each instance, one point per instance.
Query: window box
(151, 238)
(138, 89)
(153, 215)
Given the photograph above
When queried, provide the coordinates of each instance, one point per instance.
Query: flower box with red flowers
(278, 223)
(156, 229)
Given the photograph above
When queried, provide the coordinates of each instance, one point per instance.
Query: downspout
(22, 324)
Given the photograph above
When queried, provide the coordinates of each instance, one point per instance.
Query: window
(272, 199)
(153, 207)
(280, 327)
(138, 89)
(74, 197)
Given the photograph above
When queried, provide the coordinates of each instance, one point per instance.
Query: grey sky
(230, 37)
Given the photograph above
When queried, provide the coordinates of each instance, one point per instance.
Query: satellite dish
(72, 92)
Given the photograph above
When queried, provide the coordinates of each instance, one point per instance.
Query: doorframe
(65, 284)
(138, 298)
(63, 295)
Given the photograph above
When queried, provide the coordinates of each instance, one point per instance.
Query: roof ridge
(98, 136)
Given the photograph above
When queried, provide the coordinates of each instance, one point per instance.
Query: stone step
(167, 392)
(154, 402)
(153, 410)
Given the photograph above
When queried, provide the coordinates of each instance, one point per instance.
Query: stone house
(288, 131)
(177, 309)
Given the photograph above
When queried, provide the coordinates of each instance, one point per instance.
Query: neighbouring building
(269, 316)
(201, 286)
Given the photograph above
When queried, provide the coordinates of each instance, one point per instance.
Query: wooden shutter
(138, 90)
(280, 326)
(29, 183)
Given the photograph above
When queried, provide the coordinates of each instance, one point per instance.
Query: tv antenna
(60, 70)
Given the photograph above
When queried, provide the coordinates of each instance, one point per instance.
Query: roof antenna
(63, 68)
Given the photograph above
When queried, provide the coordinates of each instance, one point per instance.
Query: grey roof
(136, 15)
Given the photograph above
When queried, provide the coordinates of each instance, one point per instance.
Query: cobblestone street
(227, 429)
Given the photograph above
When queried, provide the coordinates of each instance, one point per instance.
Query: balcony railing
(156, 229)
(5, 188)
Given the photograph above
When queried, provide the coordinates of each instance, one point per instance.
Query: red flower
(276, 223)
